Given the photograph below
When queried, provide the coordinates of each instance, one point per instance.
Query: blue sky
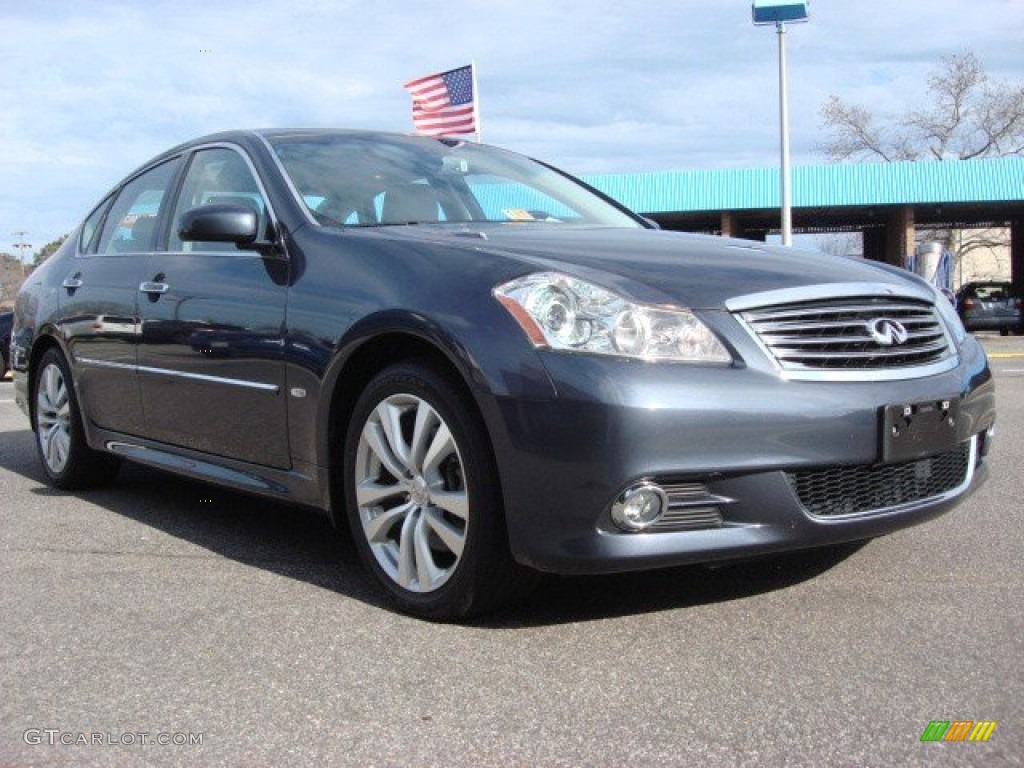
(91, 90)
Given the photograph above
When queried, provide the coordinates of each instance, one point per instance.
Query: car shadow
(300, 544)
(591, 598)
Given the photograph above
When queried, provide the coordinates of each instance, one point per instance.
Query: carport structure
(883, 201)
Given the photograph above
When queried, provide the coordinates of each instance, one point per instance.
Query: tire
(423, 500)
(67, 460)
(1004, 331)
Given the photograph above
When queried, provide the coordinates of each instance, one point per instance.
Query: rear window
(992, 292)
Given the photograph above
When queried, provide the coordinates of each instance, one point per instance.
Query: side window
(131, 223)
(216, 175)
(91, 225)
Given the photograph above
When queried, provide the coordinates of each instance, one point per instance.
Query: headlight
(564, 313)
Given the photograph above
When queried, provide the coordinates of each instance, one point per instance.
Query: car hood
(656, 266)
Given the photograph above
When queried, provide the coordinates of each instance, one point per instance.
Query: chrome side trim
(192, 466)
(257, 385)
(106, 364)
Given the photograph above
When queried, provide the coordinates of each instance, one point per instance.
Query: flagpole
(476, 103)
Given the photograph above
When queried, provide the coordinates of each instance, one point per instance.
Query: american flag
(443, 104)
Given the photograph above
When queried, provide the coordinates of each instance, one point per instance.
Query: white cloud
(90, 91)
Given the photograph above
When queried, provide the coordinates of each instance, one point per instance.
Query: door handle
(152, 287)
(71, 283)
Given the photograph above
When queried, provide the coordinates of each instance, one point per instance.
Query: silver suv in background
(990, 306)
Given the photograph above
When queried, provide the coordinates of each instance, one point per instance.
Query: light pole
(22, 246)
(778, 12)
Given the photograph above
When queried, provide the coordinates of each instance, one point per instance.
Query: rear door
(211, 362)
(99, 299)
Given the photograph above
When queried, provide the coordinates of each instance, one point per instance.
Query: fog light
(639, 507)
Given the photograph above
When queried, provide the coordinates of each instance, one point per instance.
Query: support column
(733, 227)
(899, 236)
(730, 226)
(873, 244)
(1017, 255)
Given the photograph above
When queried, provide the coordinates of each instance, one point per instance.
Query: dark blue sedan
(486, 369)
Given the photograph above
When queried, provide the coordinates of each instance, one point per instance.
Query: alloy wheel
(411, 493)
(53, 418)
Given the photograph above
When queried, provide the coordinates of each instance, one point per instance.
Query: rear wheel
(66, 457)
(423, 498)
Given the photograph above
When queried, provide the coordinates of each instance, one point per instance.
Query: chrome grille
(835, 335)
(855, 490)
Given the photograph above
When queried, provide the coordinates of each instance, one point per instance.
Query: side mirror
(220, 223)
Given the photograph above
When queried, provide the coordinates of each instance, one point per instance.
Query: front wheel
(423, 498)
(67, 459)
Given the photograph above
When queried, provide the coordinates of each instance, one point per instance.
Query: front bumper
(739, 433)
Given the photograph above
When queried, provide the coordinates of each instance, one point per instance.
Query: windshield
(361, 180)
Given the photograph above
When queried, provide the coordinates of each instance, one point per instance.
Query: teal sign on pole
(776, 11)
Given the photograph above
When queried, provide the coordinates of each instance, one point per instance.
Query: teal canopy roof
(819, 186)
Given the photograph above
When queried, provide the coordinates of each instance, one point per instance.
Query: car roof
(242, 136)
(285, 133)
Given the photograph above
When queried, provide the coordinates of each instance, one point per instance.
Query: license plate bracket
(915, 430)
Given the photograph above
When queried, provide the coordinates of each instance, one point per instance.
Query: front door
(211, 362)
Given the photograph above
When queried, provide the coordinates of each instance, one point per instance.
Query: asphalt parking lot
(162, 606)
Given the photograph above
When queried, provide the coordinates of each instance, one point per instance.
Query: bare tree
(11, 275)
(839, 243)
(966, 115)
(13, 270)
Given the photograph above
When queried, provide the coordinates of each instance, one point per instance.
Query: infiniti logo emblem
(887, 332)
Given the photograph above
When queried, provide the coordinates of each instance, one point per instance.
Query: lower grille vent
(841, 491)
